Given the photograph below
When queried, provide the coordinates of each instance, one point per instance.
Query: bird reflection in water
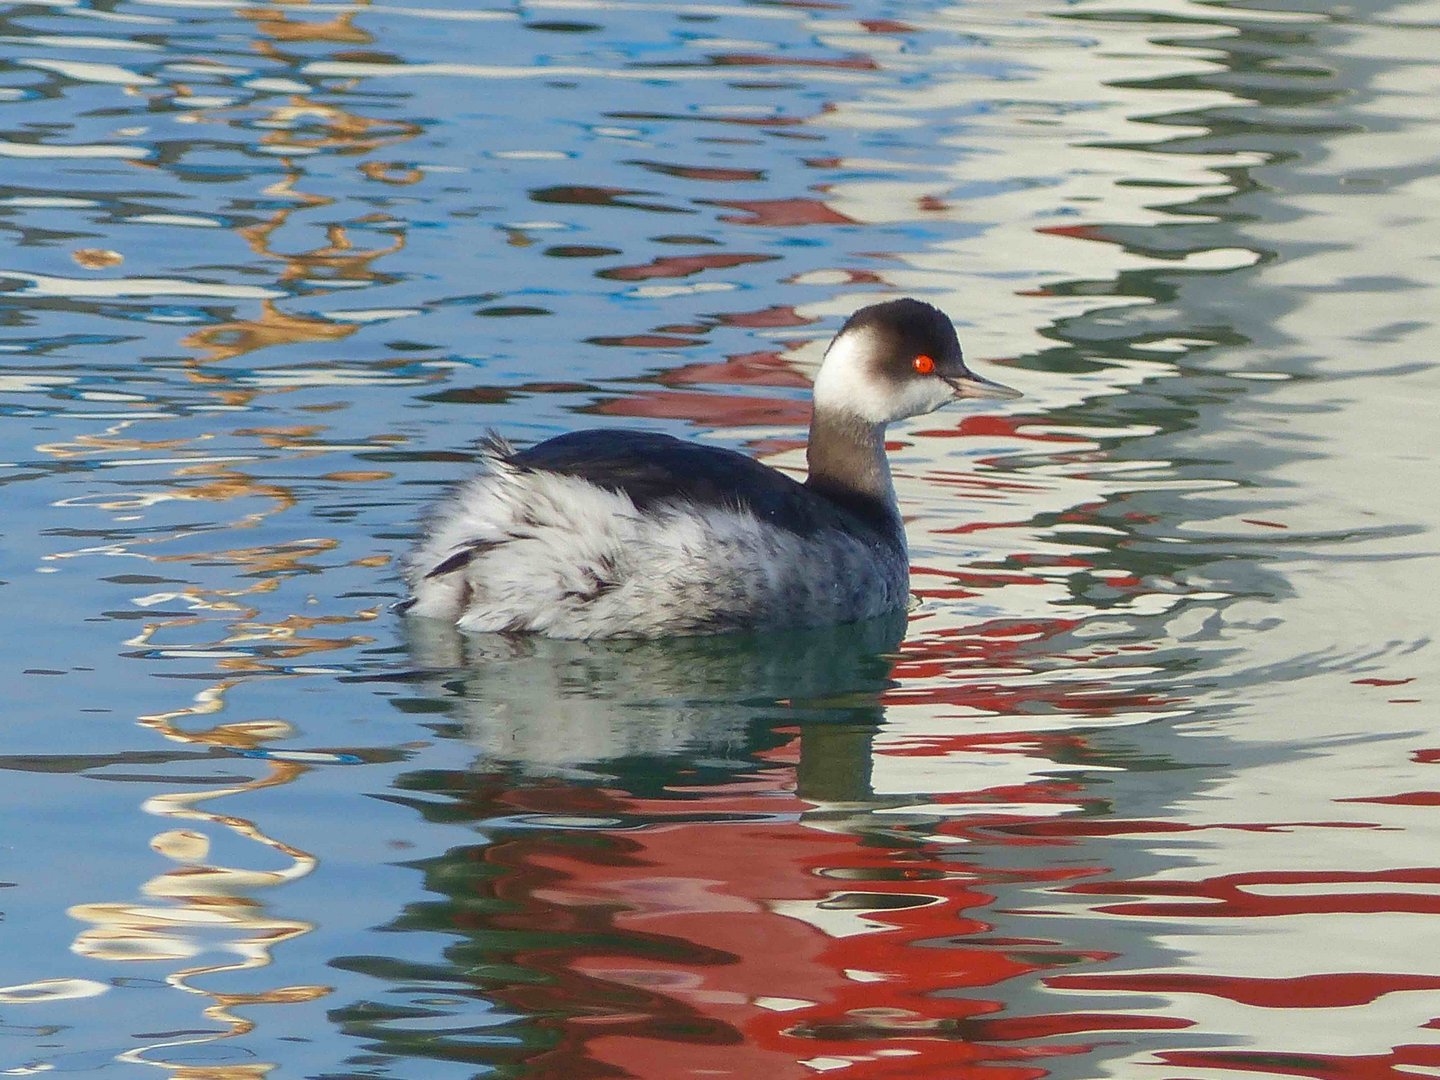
(679, 864)
(547, 708)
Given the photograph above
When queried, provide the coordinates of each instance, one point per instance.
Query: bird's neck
(847, 463)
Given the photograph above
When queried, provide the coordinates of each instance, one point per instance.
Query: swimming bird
(618, 533)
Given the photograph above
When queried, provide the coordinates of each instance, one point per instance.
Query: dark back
(659, 470)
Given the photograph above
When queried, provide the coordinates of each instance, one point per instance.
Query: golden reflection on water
(273, 327)
(338, 257)
(200, 905)
(277, 25)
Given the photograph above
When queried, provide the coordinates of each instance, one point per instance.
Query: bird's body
(614, 533)
(622, 533)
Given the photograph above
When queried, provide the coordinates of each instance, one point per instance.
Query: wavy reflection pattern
(1141, 785)
(201, 489)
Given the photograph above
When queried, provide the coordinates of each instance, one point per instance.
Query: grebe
(614, 533)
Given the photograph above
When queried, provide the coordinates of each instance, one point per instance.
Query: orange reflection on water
(277, 24)
(201, 918)
(203, 907)
(272, 327)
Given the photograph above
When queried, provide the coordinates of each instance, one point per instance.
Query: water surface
(1143, 785)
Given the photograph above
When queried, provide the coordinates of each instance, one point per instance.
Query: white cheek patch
(922, 395)
(845, 384)
(848, 384)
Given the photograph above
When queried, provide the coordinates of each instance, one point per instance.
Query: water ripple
(1142, 778)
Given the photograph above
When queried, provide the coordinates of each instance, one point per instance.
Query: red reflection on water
(747, 928)
(1229, 896)
(999, 643)
(843, 63)
(714, 410)
(1077, 232)
(1389, 1066)
(767, 318)
(646, 341)
(742, 369)
(761, 947)
(701, 172)
(1408, 798)
(887, 26)
(995, 641)
(782, 212)
(1080, 828)
(767, 368)
(678, 266)
(590, 195)
(1006, 426)
(1337, 991)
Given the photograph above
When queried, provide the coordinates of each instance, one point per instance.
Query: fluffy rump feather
(524, 549)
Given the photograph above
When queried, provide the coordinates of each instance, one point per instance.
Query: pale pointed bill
(974, 386)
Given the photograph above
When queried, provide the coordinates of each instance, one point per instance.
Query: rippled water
(1145, 786)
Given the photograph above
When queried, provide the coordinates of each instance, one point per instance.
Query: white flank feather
(557, 555)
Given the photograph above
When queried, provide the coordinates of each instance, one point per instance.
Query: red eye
(924, 364)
